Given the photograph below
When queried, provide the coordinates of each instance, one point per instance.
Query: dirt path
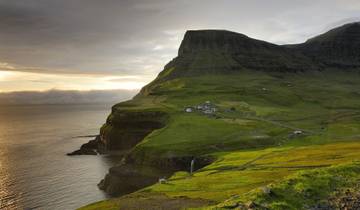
(280, 124)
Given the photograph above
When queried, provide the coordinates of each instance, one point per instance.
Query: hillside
(337, 48)
(251, 115)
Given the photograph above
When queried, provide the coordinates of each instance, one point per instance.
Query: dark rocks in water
(92, 144)
(83, 152)
(93, 147)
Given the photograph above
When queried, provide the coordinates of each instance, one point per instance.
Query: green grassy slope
(267, 110)
(254, 145)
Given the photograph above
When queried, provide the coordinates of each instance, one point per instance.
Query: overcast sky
(123, 44)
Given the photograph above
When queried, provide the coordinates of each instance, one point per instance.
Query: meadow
(268, 128)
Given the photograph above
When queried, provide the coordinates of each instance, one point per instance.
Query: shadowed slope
(339, 47)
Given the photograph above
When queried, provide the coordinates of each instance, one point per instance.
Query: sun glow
(4, 75)
(21, 81)
(119, 85)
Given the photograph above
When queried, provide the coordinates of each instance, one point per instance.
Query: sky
(124, 44)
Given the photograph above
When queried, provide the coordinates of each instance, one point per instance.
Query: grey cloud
(15, 18)
(112, 36)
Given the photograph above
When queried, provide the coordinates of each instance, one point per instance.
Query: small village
(207, 108)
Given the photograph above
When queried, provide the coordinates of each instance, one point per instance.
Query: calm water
(35, 173)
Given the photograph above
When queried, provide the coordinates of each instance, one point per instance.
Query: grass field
(254, 144)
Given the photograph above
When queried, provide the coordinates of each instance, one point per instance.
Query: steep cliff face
(339, 47)
(124, 128)
(127, 178)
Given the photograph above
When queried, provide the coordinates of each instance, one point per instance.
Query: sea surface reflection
(35, 173)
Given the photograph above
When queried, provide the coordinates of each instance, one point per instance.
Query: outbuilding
(188, 109)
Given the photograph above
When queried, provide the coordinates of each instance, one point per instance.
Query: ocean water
(35, 172)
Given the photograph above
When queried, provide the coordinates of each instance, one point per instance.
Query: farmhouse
(298, 132)
(188, 109)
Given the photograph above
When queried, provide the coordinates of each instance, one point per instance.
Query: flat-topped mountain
(236, 118)
(221, 41)
(220, 51)
(204, 52)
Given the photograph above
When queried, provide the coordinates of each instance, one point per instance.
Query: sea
(35, 172)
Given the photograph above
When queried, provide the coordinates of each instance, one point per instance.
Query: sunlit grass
(254, 145)
(237, 172)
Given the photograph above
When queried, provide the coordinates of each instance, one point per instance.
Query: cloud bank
(66, 97)
(136, 38)
(140, 36)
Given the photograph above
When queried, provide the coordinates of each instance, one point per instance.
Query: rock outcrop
(125, 128)
(134, 174)
(127, 178)
(93, 147)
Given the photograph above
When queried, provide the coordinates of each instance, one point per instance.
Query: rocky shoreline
(93, 147)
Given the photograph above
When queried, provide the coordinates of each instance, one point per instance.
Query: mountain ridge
(203, 52)
(266, 102)
(339, 47)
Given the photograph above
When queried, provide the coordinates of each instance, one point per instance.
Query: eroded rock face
(128, 178)
(135, 174)
(124, 129)
(174, 163)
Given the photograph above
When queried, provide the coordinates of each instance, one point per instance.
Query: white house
(162, 180)
(298, 132)
(188, 109)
